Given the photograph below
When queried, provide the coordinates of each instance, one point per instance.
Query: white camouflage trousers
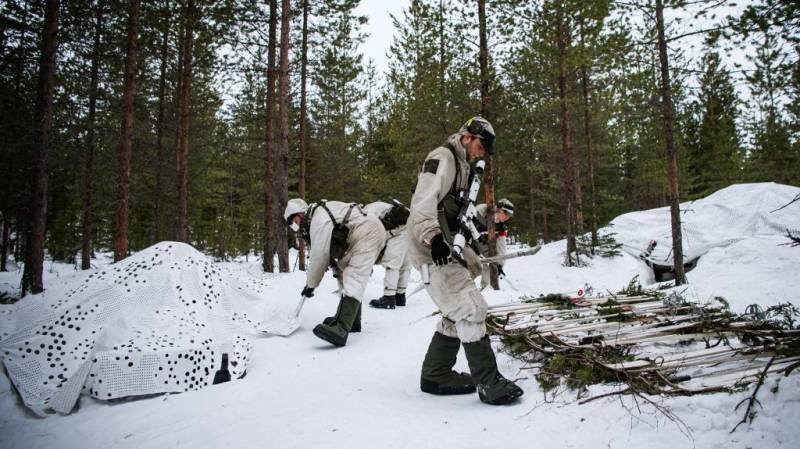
(463, 307)
(364, 244)
(397, 265)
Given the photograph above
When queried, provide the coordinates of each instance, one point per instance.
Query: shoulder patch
(431, 166)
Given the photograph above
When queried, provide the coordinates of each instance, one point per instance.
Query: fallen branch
(749, 414)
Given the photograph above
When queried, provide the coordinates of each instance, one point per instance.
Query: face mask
(294, 227)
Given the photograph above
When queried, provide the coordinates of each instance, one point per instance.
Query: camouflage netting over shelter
(156, 322)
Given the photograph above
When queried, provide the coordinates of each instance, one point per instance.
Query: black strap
(347, 215)
(452, 148)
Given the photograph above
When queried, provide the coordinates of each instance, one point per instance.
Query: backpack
(339, 234)
(396, 216)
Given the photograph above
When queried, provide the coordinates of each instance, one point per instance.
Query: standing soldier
(503, 212)
(393, 257)
(344, 237)
(431, 225)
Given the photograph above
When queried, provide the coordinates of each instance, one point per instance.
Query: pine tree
(335, 107)
(717, 159)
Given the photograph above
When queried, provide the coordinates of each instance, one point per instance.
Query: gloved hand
(308, 292)
(500, 271)
(440, 252)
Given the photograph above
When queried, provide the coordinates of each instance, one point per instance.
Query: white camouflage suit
(364, 242)
(394, 259)
(501, 247)
(452, 286)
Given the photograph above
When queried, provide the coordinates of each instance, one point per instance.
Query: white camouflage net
(156, 322)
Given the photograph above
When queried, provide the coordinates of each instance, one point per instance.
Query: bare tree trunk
(269, 163)
(155, 230)
(488, 177)
(566, 136)
(672, 156)
(88, 171)
(587, 131)
(301, 186)
(578, 196)
(4, 240)
(532, 200)
(184, 103)
(442, 71)
(545, 228)
(37, 225)
(126, 140)
(283, 148)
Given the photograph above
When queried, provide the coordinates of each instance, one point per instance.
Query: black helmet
(480, 127)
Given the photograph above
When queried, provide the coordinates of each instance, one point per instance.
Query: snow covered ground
(301, 392)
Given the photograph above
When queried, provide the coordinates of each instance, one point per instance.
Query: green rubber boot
(493, 388)
(438, 376)
(356, 327)
(335, 331)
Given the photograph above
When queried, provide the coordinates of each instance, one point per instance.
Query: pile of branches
(620, 340)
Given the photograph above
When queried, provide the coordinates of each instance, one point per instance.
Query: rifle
(467, 214)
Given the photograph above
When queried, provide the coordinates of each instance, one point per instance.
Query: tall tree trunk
(4, 240)
(37, 224)
(301, 185)
(283, 148)
(532, 200)
(488, 189)
(269, 163)
(126, 139)
(184, 103)
(672, 156)
(155, 230)
(587, 131)
(576, 164)
(566, 136)
(88, 170)
(442, 71)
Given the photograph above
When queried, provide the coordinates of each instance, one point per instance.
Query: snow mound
(156, 322)
(731, 214)
(739, 233)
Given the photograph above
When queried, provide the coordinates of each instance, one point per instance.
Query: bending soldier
(504, 211)
(393, 257)
(344, 237)
(431, 225)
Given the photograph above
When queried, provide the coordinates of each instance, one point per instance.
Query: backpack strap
(325, 206)
(452, 148)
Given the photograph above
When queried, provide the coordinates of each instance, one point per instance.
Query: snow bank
(739, 237)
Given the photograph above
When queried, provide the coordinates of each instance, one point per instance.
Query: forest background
(125, 123)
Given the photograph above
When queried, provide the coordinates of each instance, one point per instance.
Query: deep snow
(301, 392)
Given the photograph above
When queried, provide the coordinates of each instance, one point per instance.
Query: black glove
(308, 292)
(440, 252)
(500, 271)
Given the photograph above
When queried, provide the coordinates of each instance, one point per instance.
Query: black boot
(335, 331)
(493, 388)
(385, 302)
(438, 376)
(400, 299)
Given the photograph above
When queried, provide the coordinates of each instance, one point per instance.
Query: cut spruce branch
(699, 349)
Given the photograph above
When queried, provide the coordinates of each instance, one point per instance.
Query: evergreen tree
(337, 76)
(716, 160)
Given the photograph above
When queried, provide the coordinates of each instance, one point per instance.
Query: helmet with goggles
(481, 128)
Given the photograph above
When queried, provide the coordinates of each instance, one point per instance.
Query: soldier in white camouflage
(345, 238)
(397, 267)
(431, 226)
(504, 210)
